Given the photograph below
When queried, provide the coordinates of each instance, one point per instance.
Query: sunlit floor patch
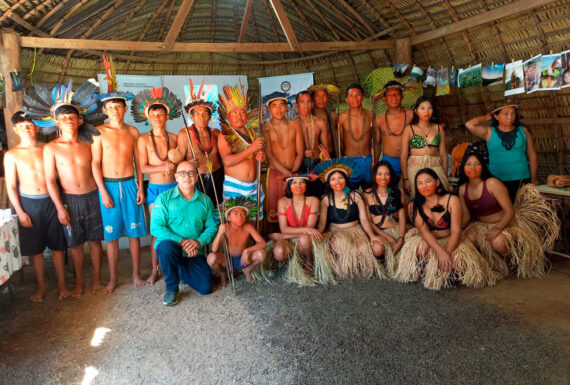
(98, 336)
(90, 374)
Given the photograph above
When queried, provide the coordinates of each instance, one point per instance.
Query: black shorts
(85, 216)
(46, 229)
(218, 182)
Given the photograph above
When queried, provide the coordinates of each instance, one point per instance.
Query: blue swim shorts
(155, 189)
(126, 216)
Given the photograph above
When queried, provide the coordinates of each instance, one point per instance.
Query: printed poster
(291, 85)
(565, 68)
(531, 68)
(442, 82)
(551, 72)
(492, 74)
(514, 78)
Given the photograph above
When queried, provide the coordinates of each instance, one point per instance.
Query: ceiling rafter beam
(358, 16)
(177, 23)
(149, 46)
(285, 25)
(50, 13)
(324, 19)
(483, 18)
(11, 10)
(36, 9)
(245, 21)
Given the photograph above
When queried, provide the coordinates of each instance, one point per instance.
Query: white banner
(291, 85)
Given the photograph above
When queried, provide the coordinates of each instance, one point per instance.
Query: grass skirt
(348, 253)
(295, 267)
(532, 231)
(470, 268)
(417, 162)
(391, 258)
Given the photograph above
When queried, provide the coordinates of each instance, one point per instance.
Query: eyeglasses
(185, 173)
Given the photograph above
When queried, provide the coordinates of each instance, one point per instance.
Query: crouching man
(183, 222)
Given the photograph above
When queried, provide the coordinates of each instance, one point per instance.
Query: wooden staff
(260, 119)
(373, 125)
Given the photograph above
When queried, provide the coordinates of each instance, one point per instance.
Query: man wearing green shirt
(183, 222)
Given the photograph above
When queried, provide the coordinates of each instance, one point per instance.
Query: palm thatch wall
(542, 28)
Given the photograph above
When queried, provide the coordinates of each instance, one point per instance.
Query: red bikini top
(302, 222)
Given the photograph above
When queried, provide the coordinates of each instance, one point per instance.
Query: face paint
(382, 180)
(298, 189)
(338, 185)
(473, 171)
(428, 190)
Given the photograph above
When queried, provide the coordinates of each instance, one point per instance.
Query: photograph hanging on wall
(442, 82)
(492, 74)
(531, 69)
(551, 72)
(453, 75)
(565, 61)
(470, 76)
(431, 78)
(416, 75)
(514, 78)
(399, 69)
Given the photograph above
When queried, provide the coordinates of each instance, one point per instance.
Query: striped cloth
(234, 188)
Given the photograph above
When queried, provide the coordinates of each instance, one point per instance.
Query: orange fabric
(457, 156)
(275, 189)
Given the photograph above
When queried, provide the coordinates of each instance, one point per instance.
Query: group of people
(334, 211)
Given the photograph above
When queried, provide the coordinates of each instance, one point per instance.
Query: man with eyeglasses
(183, 222)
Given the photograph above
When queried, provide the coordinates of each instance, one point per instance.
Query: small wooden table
(559, 198)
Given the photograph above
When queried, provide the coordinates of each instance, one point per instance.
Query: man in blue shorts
(391, 123)
(121, 196)
(356, 139)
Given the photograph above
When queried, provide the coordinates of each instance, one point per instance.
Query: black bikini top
(392, 205)
(443, 223)
(341, 216)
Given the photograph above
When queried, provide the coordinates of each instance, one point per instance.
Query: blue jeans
(175, 266)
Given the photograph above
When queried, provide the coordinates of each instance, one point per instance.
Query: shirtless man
(38, 224)
(240, 150)
(285, 151)
(356, 138)
(315, 133)
(120, 196)
(69, 157)
(320, 98)
(152, 149)
(390, 125)
(205, 149)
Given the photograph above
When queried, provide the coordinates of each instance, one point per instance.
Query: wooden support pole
(403, 51)
(11, 47)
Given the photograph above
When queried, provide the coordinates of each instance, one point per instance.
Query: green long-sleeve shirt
(175, 218)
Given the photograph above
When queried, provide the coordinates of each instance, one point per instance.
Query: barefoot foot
(111, 286)
(77, 292)
(96, 288)
(248, 276)
(138, 281)
(63, 293)
(153, 277)
(39, 295)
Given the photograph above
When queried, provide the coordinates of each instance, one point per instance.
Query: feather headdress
(112, 86)
(205, 96)
(325, 168)
(42, 105)
(155, 96)
(233, 97)
(246, 203)
(332, 90)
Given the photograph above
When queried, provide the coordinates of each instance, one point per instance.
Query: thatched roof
(502, 33)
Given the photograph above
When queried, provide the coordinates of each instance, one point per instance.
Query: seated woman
(436, 245)
(499, 230)
(346, 245)
(297, 215)
(388, 216)
(424, 141)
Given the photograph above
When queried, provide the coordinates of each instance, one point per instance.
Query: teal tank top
(507, 155)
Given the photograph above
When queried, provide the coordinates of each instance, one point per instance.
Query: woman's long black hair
(485, 172)
(392, 185)
(419, 199)
(434, 117)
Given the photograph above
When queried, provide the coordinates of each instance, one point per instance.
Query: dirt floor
(358, 332)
